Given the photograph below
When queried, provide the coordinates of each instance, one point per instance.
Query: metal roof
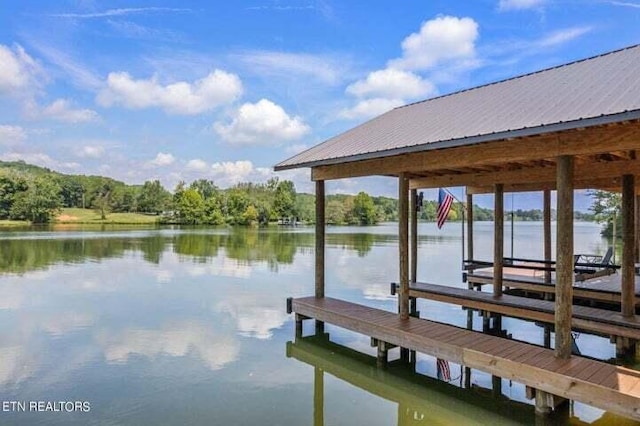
(598, 90)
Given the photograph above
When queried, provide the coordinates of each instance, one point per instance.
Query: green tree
(39, 203)
(364, 211)
(205, 187)
(606, 208)
(285, 199)
(153, 198)
(10, 187)
(190, 207)
(250, 215)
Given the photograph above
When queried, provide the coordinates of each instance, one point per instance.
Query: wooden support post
(547, 337)
(547, 234)
(403, 244)
(383, 352)
(320, 243)
(564, 254)
(496, 386)
(318, 397)
(498, 238)
(299, 319)
(413, 209)
(628, 239)
(637, 233)
(470, 226)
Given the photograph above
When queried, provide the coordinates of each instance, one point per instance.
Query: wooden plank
(615, 392)
(597, 139)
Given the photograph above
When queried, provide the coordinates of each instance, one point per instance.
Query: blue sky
(179, 90)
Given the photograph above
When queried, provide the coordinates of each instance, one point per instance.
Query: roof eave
(471, 140)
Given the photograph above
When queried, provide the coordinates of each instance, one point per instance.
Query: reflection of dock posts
(628, 264)
(318, 397)
(320, 237)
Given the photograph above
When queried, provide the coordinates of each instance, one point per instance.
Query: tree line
(38, 194)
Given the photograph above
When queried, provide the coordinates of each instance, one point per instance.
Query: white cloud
(562, 36)
(197, 165)
(440, 39)
(390, 83)
(61, 109)
(118, 12)
(11, 135)
(90, 151)
(162, 160)
(368, 108)
(519, 4)
(262, 123)
(327, 69)
(232, 172)
(217, 88)
(18, 71)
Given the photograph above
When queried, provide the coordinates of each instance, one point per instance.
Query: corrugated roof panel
(605, 85)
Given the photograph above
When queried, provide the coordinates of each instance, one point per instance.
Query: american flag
(445, 199)
(444, 373)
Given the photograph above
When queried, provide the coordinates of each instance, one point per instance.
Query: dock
(562, 129)
(609, 387)
(605, 289)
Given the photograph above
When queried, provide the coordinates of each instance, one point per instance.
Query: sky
(224, 90)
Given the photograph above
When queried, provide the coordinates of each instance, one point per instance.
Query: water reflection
(187, 326)
(20, 255)
(420, 400)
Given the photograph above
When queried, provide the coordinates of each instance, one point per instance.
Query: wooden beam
(470, 226)
(609, 184)
(564, 255)
(320, 237)
(637, 233)
(628, 239)
(413, 208)
(498, 239)
(583, 171)
(403, 245)
(546, 196)
(594, 140)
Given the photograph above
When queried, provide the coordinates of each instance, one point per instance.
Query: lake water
(188, 326)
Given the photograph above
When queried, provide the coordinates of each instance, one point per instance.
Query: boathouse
(570, 127)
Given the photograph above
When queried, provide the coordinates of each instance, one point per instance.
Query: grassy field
(13, 223)
(88, 216)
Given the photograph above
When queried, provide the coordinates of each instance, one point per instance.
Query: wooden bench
(592, 320)
(596, 383)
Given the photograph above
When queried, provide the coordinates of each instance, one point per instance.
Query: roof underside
(600, 90)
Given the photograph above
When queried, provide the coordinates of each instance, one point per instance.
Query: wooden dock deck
(586, 319)
(596, 383)
(601, 289)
